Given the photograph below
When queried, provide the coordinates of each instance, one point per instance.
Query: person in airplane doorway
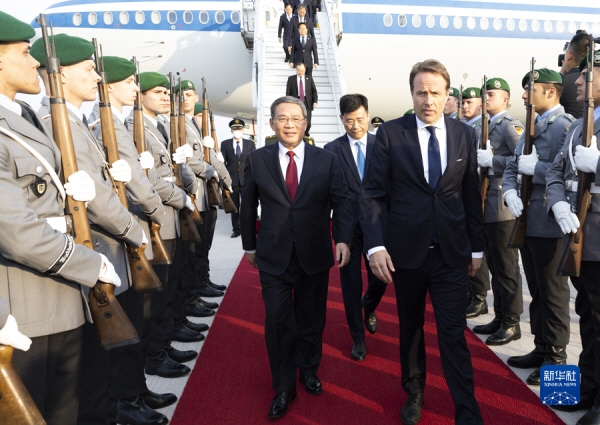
(376, 122)
(302, 86)
(297, 185)
(451, 107)
(304, 49)
(422, 223)
(549, 308)
(284, 31)
(353, 151)
(235, 152)
(504, 132)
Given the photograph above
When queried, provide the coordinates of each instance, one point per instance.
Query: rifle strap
(571, 152)
(40, 158)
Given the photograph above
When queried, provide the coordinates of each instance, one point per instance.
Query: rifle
(212, 187)
(189, 233)
(113, 325)
(459, 112)
(570, 259)
(484, 176)
(161, 255)
(228, 204)
(143, 277)
(16, 405)
(517, 235)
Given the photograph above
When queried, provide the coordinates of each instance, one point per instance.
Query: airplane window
(171, 16)
(203, 17)
(77, 19)
(155, 17)
(140, 17)
(535, 25)
(430, 21)
(444, 21)
(560, 26)
(497, 24)
(522, 24)
(471, 22)
(387, 20)
(108, 18)
(188, 17)
(235, 17)
(457, 22)
(510, 24)
(92, 18)
(219, 17)
(124, 18)
(416, 21)
(484, 24)
(548, 26)
(402, 20)
(572, 26)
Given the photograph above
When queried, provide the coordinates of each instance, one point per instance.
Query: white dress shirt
(363, 146)
(284, 159)
(10, 105)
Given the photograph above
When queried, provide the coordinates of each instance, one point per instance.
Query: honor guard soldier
(235, 151)
(376, 122)
(409, 112)
(549, 308)
(504, 132)
(472, 108)
(44, 269)
(562, 184)
(451, 106)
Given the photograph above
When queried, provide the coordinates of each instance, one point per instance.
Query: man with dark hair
(353, 150)
(569, 70)
(285, 30)
(451, 106)
(303, 49)
(420, 201)
(303, 87)
(301, 18)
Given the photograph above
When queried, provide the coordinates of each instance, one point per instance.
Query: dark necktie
(291, 176)
(303, 42)
(301, 89)
(197, 127)
(85, 122)
(163, 131)
(238, 151)
(435, 163)
(32, 119)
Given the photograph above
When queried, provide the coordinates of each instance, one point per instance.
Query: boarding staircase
(271, 72)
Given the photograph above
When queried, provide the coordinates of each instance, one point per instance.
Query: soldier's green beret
(149, 80)
(117, 69)
(197, 108)
(454, 92)
(69, 50)
(543, 75)
(376, 121)
(11, 29)
(409, 112)
(583, 62)
(497, 84)
(471, 93)
(186, 85)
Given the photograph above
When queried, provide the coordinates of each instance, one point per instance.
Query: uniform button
(38, 169)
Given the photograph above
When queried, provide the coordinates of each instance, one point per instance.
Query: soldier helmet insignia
(536, 75)
(190, 85)
(497, 84)
(597, 57)
(472, 92)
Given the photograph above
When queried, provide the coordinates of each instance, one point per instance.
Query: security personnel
(409, 112)
(549, 308)
(235, 151)
(504, 132)
(472, 108)
(44, 270)
(562, 181)
(451, 106)
(376, 122)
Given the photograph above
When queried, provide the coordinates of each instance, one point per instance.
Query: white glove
(220, 156)
(80, 186)
(566, 219)
(527, 162)
(187, 149)
(179, 157)
(485, 156)
(10, 335)
(586, 159)
(208, 142)
(189, 204)
(146, 160)
(144, 238)
(515, 205)
(121, 171)
(107, 272)
(216, 176)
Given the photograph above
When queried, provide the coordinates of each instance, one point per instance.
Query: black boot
(592, 417)
(478, 306)
(490, 328)
(133, 411)
(509, 331)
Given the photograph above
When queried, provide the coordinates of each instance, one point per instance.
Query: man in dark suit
(303, 87)
(353, 150)
(303, 49)
(235, 151)
(297, 185)
(297, 4)
(285, 30)
(423, 174)
(302, 18)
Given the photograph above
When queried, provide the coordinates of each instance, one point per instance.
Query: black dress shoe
(281, 402)
(359, 352)
(158, 401)
(180, 356)
(592, 417)
(371, 321)
(164, 366)
(488, 329)
(312, 383)
(411, 411)
(534, 378)
(504, 335)
(198, 327)
(216, 286)
(529, 360)
(196, 310)
(209, 292)
(207, 304)
(187, 335)
(477, 307)
(135, 412)
(235, 234)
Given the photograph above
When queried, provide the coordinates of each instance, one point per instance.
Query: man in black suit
(297, 4)
(316, 4)
(297, 185)
(303, 87)
(423, 174)
(303, 49)
(235, 151)
(302, 18)
(285, 30)
(353, 150)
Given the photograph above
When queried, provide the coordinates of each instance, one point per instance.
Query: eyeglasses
(284, 120)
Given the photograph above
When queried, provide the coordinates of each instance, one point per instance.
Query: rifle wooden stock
(113, 325)
(143, 277)
(212, 187)
(16, 405)
(228, 205)
(484, 176)
(459, 112)
(517, 234)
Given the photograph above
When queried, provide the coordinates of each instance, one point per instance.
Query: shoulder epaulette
(509, 118)
(500, 120)
(570, 117)
(552, 118)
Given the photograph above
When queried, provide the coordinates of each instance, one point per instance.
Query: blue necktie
(360, 160)
(238, 151)
(435, 163)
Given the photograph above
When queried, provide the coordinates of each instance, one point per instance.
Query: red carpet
(231, 383)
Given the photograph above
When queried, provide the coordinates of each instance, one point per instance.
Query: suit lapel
(308, 168)
(272, 164)
(412, 137)
(346, 149)
(453, 147)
